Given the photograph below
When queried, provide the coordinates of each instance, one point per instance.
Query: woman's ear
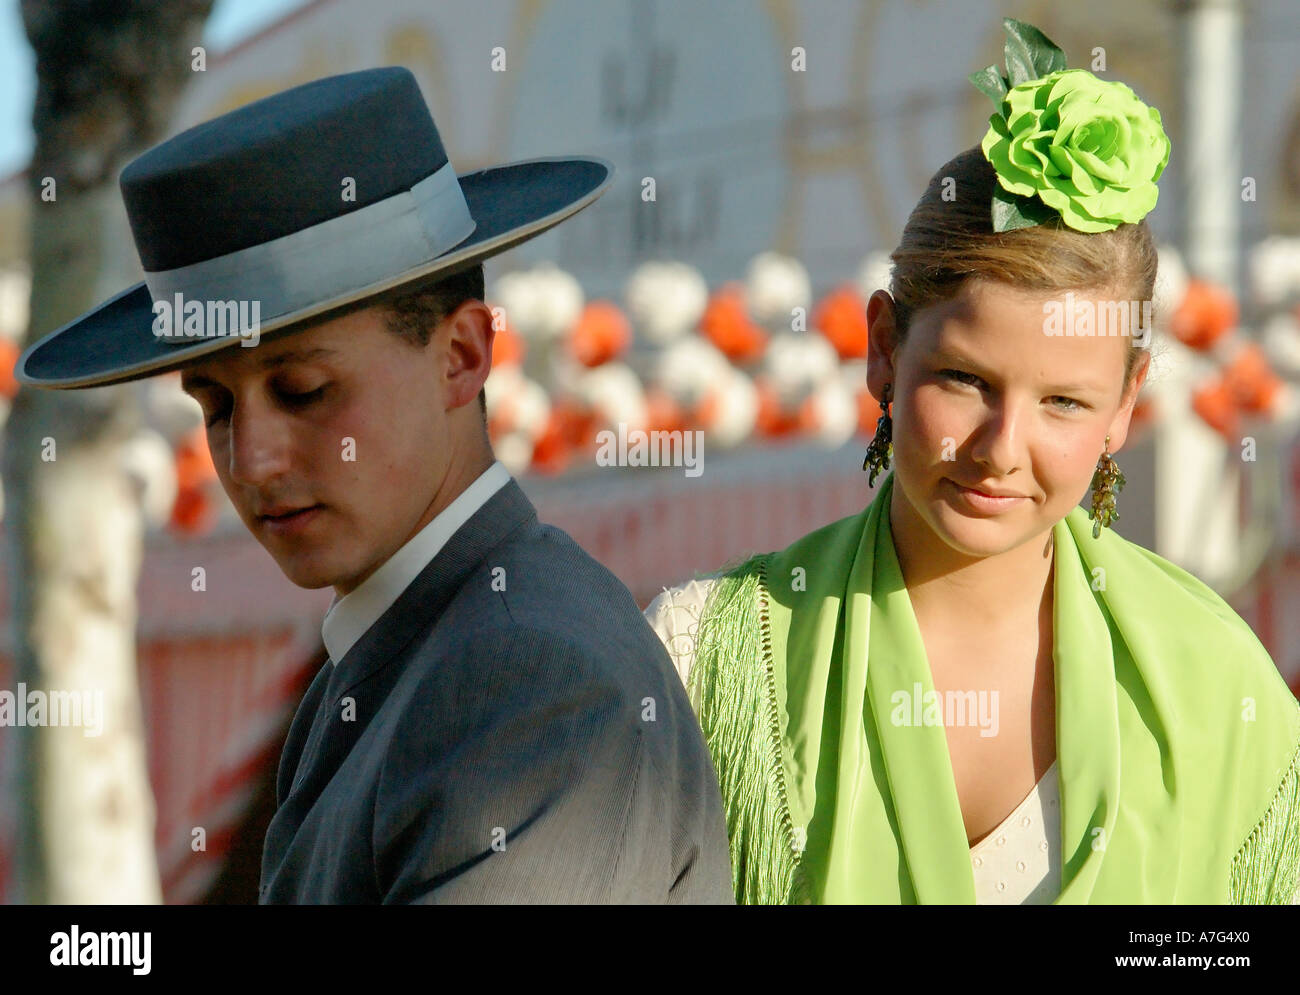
(882, 340)
(1140, 370)
(1123, 417)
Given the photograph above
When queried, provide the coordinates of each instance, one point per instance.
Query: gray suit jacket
(500, 735)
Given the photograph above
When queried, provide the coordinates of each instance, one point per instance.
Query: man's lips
(291, 521)
(284, 510)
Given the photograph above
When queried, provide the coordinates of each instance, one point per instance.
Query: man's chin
(311, 576)
(312, 583)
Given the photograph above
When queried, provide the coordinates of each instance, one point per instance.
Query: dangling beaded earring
(881, 450)
(1107, 481)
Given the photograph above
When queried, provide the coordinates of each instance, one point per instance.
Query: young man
(497, 722)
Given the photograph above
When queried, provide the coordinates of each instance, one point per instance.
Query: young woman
(969, 692)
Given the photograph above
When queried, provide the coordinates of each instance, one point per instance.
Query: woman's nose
(998, 443)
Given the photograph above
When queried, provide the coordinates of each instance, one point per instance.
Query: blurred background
(787, 141)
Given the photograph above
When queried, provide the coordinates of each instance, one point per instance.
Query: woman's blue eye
(1069, 405)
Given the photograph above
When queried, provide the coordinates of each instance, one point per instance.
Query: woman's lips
(983, 502)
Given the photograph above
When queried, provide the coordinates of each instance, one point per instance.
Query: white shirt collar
(350, 616)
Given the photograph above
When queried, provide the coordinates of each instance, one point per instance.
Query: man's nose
(259, 444)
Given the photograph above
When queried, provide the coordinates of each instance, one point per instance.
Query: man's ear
(467, 352)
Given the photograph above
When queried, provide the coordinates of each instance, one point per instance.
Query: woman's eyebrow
(948, 354)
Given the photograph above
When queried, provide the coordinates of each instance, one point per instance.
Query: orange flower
(600, 334)
(1251, 382)
(9, 353)
(193, 512)
(773, 420)
(507, 345)
(843, 320)
(726, 323)
(570, 431)
(1204, 316)
(663, 414)
(1213, 402)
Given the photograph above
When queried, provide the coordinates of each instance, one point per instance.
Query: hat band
(330, 259)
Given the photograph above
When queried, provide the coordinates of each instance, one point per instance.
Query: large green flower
(1088, 148)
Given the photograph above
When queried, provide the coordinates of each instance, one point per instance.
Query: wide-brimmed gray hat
(299, 204)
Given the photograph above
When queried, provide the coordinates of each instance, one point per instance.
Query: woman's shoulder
(674, 614)
(1144, 565)
(1199, 660)
(1149, 595)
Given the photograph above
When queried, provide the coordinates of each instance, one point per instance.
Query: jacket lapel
(416, 610)
(419, 607)
(303, 733)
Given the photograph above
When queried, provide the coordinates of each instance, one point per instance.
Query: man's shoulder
(541, 583)
(517, 683)
(564, 655)
(548, 548)
(540, 620)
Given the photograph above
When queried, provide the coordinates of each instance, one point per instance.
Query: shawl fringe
(731, 682)
(1266, 868)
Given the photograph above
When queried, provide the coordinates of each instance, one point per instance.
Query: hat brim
(114, 343)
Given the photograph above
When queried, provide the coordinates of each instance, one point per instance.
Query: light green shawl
(1176, 736)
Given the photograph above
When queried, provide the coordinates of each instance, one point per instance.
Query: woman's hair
(949, 238)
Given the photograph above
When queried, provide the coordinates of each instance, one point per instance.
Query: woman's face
(985, 398)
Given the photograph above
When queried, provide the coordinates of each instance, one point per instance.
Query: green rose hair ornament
(1064, 142)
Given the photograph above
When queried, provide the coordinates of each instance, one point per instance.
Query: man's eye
(290, 398)
(957, 375)
(306, 397)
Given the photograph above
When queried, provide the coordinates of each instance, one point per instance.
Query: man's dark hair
(414, 314)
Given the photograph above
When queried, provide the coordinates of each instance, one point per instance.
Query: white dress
(1019, 863)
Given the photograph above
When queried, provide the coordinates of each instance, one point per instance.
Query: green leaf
(990, 83)
(1047, 56)
(1030, 54)
(1011, 211)
(1020, 61)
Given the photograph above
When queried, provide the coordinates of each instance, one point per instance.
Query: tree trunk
(108, 75)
